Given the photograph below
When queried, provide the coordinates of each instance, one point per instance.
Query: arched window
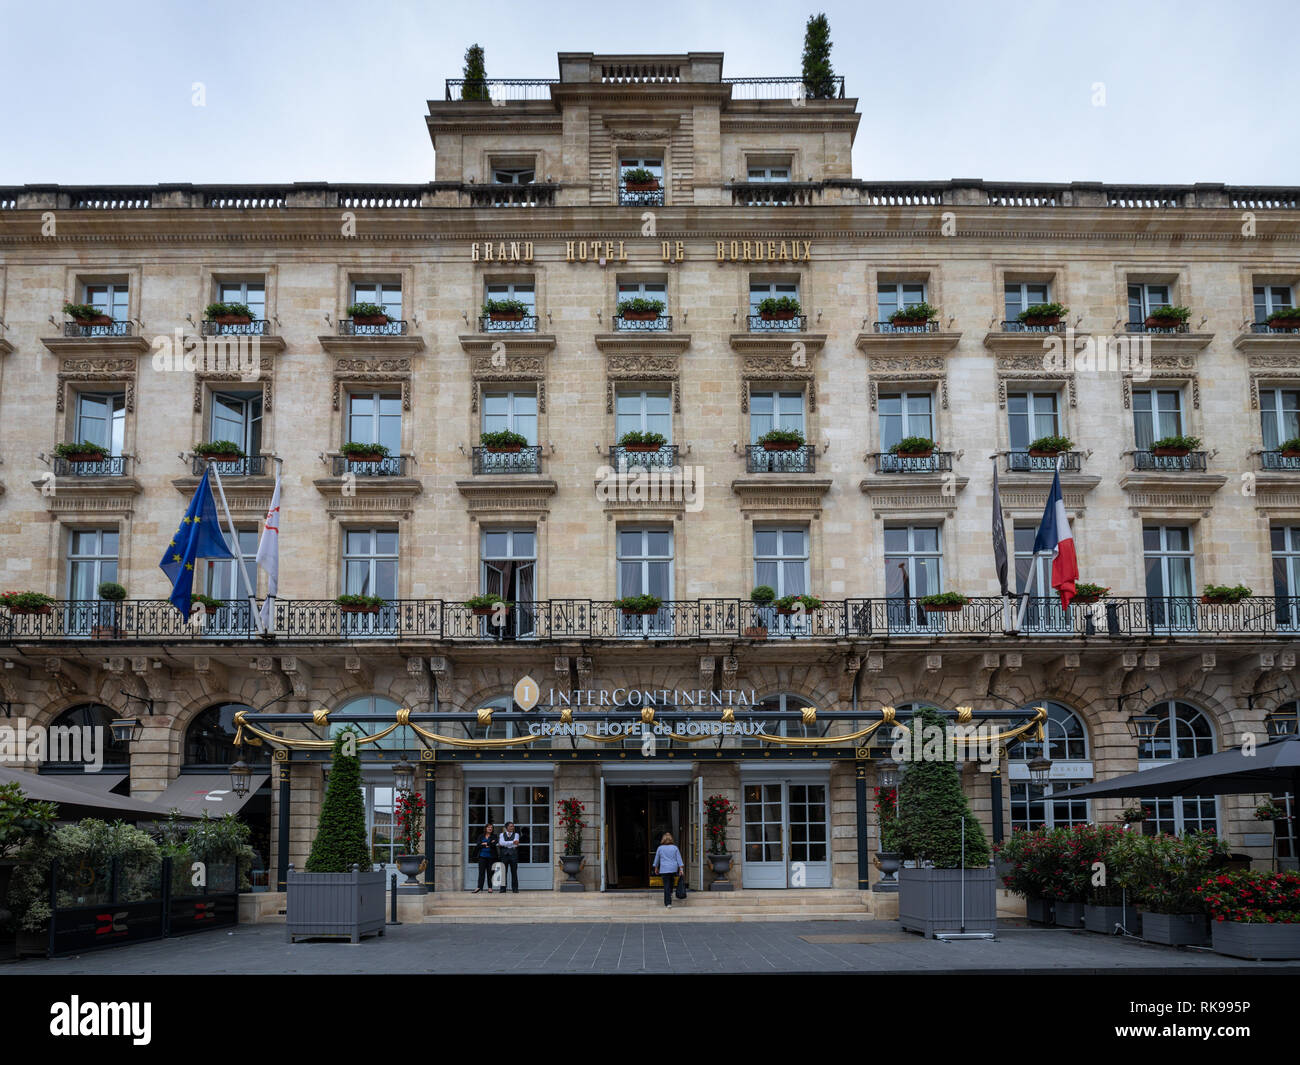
(66, 748)
(500, 730)
(209, 740)
(401, 740)
(1183, 732)
(1066, 741)
(782, 702)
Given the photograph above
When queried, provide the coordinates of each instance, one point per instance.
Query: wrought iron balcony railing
(1156, 330)
(111, 329)
(794, 324)
(350, 327)
(1149, 460)
(622, 457)
(569, 619)
(792, 88)
(247, 466)
(256, 328)
(802, 459)
(935, 462)
(1024, 327)
(1024, 462)
(1263, 327)
(487, 90)
(523, 460)
(662, 324)
(525, 324)
(907, 327)
(640, 197)
(108, 466)
(1278, 460)
(390, 466)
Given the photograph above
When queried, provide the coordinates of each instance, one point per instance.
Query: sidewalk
(878, 947)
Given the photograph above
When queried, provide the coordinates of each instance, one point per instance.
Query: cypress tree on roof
(932, 806)
(340, 839)
(475, 86)
(818, 77)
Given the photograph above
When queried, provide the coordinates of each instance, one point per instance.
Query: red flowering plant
(410, 821)
(887, 818)
(717, 812)
(1252, 898)
(570, 819)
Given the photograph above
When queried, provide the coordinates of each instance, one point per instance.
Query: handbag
(680, 890)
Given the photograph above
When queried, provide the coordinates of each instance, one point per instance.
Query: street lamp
(1281, 723)
(887, 773)
(403, 775)
(240, 775)
(1040, 771)
(1142, 726)
(126, 729)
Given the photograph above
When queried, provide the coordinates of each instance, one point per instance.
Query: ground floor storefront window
(529, 807)
(786, 833)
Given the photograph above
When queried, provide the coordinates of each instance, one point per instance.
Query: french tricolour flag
(1054, 535)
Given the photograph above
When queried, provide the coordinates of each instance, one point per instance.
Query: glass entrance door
(787, 835)
(529, 807)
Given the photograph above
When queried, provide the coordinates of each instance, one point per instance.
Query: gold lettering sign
(759, 251)
(514, 251)
(583, 251)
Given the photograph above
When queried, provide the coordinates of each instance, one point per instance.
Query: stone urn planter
(334, 905)
(888, 862)
(1039, 910)
(1103, 919)
(572, 864)
(1175, 929)
(721, 864)
(1069, 914)
(930, 901)
(1260, 942)
(409, 865)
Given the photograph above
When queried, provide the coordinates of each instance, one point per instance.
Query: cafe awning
(77, 801)
(195, 793)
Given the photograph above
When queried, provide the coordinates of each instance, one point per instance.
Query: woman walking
(486, 851)
(668, 864)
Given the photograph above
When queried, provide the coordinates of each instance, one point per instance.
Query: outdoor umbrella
(1272, 768)
(75, 802)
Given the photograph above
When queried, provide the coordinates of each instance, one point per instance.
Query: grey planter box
(930, 900)
(1104, 918)
(1069, 914)
(1039, 910)
(341, 905)
(1261, 942)
(1175, 929)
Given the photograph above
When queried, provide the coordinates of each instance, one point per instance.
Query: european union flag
(198, 537)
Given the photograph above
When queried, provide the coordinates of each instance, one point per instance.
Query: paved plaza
(878, 947)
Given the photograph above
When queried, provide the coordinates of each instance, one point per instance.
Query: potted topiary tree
(950, 885)
(338, 895)
(717, 811)
(761, 597)
(571, 820)
(111, 593)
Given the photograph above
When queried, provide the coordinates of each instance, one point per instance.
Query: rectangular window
(514, 410)
(101, 419)
(252, 293)
(645, 411)
(1032, 807)
(773, 173)
(513, 175)
(775, 410)
(1285, 542)
(1043, 612)
(112, 300)
(913, 568)
(376, 418)
(655, 164)
(1031, 415)
(1157, 413)
(237, 417)
(894, 297)
(370, 562)
(92, 559)
(523, 292)
(650, 290)
(386, 294)
(904, 414)
(1170, 577)
(1018, 296)
(223, 578)
(1279, 415)
(1269, 299)
(781, 560)
(509, 569)
(645, 567)
(1143, 299)
(759, 291)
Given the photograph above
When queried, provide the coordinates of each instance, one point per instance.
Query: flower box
(942, 608)
(1162, 323)
(1175, 452)
(642, 447)
(1291, 452)
(641, 186)
(640, 316)
(482, 611)
(915, 454)
(232, 319)
(99, 319)
(506, 449)
(1043, 319)
(776, 316)
(85, 456)
(1175, 929)
(356, 608)
(1260, 942)
(506, 316)
(1290, 325)
(370, 319)
(1087, 600)
(367, 456)
(1043, 453)
(18, 610)
(633, 612)
(899, 319)
(781, 445)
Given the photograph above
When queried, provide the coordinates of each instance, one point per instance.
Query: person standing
(486, 851)
(508, 849)
(668, 864)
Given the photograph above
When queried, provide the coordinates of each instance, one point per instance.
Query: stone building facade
(752, 196)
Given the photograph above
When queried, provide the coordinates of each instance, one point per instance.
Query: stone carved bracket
(103, 370)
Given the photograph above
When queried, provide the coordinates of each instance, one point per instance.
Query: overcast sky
(334, 91)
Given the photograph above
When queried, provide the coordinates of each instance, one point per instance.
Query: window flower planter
(776, 316)
(1042, 319)
(370, 319)
(84, 456)
(1172, 452)
(641, 186)
(20, 610)
(925, 454)
(506, 316)
(899, 319)
(640, 316)
(1290, 325)
(642, 447)
(1043, 453)
(232, 319)
(352, 608)
(944, 603)
(99, 319)
(366, 456)
(781, 445)
(505, 449)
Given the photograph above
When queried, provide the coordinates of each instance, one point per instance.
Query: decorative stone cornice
(508, 344)
(265, 378)
(906, 493)
(1277, 494)
(927, 369)
(96, 346)
(906, 343)
(1026, 493)
(1170, 366)
(1026, 369)
(92, 496)
(642, 367)
(249, 497)
(1271, 364)
(373, 370)
(384, 346)
(507, 494)
(99, 368)
(642, 343)
(378, 498)
(782, 365)
(781, 493)
(1172, 495)
(1285, 345)
(779, 345)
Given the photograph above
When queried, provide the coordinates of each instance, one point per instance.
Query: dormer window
(513, 175)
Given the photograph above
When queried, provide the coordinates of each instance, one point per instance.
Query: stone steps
(641, 907)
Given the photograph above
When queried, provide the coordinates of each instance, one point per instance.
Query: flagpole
(997, 517)
(269, 604)
(1033, 569)
(239, 555)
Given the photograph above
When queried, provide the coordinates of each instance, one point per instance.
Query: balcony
(802, 459)
(1024, 462)
(627, 458)
(1025, 327)
(1157, 330)
(936, 462)
(248, 466)
(907, 328)
(256, 328)
(640, 197)
(389, 466)
(1159, 617)
(1149, 461)
(532, 194)
(524, 460)
(662, 324)
(350, 327)
(109, 466)
(775, 193)
(1279, 460)
(111, 329)
(1263, 328)
(797, 323)
(525, 324)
